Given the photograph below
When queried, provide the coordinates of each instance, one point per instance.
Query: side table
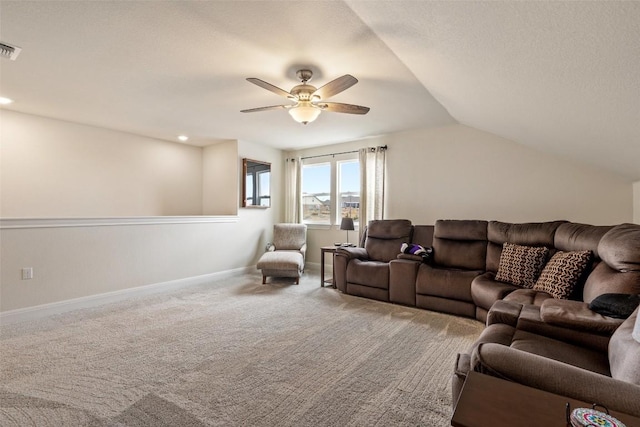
(487, 400)
(323, 251)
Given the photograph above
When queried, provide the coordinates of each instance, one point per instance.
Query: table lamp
(347, 224)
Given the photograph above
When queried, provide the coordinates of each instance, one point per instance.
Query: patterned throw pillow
(562, 272)
(521, 265)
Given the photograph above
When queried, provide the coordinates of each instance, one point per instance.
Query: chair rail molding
(16, 223)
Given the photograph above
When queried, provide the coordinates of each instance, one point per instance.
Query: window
(348, 189)
(330, 190)
(249, 190)
(264, 193)
(316, 193)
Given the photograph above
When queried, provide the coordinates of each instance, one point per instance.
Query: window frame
(334, 212)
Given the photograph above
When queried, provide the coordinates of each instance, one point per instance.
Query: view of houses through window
(322, 183)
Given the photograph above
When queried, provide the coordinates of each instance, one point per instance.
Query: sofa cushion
(526, 234)
(579, 356)
(604, 279)
(485, 290)
(571, 236)
(530, 320)
(529, 234)
(527, 296)
(384, 238)
(374, 274)
(521, 265)
(460, 229)
(620, 247)
(576, 315)
(445, 282)
(460, 244)
(562, 273)
(469, 255)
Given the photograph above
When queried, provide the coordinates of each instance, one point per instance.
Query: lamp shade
(347, 224)
(305, 112)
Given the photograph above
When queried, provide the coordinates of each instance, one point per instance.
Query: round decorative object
(587, 417)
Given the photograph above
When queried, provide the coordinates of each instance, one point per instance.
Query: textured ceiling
(166, 68)
(561, 77)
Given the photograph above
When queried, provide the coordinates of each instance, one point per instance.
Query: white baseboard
(45, 310)
(312, 266)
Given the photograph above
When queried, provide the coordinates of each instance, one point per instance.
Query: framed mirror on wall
(256, 184)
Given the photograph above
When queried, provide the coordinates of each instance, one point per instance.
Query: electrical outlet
(27, 273)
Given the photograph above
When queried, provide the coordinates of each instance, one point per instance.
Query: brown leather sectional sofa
(557, 335)
(460, 278)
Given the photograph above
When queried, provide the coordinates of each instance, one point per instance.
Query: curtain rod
(384, 147)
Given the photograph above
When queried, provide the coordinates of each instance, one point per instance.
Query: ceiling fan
(309, 101)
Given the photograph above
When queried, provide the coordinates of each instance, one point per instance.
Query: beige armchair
(286, 255)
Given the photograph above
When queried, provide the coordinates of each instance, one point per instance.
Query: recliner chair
(365, 271)
(610, 378)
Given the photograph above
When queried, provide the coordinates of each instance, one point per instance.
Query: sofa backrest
(423, 235)
(460, 244)
(385, 237)
(619, 271)
(624, 351)
(572, 236)
(289, 236)
(526, 234)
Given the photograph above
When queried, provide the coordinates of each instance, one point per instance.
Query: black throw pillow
(619, 306)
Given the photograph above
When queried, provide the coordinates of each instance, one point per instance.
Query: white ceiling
(561, 77)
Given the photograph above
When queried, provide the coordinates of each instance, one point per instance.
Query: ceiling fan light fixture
(304, 113)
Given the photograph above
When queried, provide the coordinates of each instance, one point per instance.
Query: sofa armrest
(463, 362)
(410, 257)
(303, 251)
(353, 253)
(341, 260)
(577, 315)
(486, 290)
(556, 377)
(504, 312)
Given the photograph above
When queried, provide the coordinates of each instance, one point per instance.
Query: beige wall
(219, 179)
(452, 172)
(74, 262)
(636, 202)
(458, 172)
(52, 168)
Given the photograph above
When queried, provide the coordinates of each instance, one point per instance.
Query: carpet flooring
(234, 352)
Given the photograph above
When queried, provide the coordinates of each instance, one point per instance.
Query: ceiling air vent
(8, 51)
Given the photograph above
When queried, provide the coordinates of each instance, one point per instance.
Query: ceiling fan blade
(337, 107)
(270, 87)
(271, 107)
(335, 86)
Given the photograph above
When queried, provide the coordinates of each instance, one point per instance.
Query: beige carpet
(234, 352)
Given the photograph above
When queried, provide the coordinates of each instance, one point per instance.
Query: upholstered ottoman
(281, 264)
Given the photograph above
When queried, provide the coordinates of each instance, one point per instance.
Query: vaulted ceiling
(561, 77)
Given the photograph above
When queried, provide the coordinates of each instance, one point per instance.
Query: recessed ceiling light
(183, 138)
(5, 101)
